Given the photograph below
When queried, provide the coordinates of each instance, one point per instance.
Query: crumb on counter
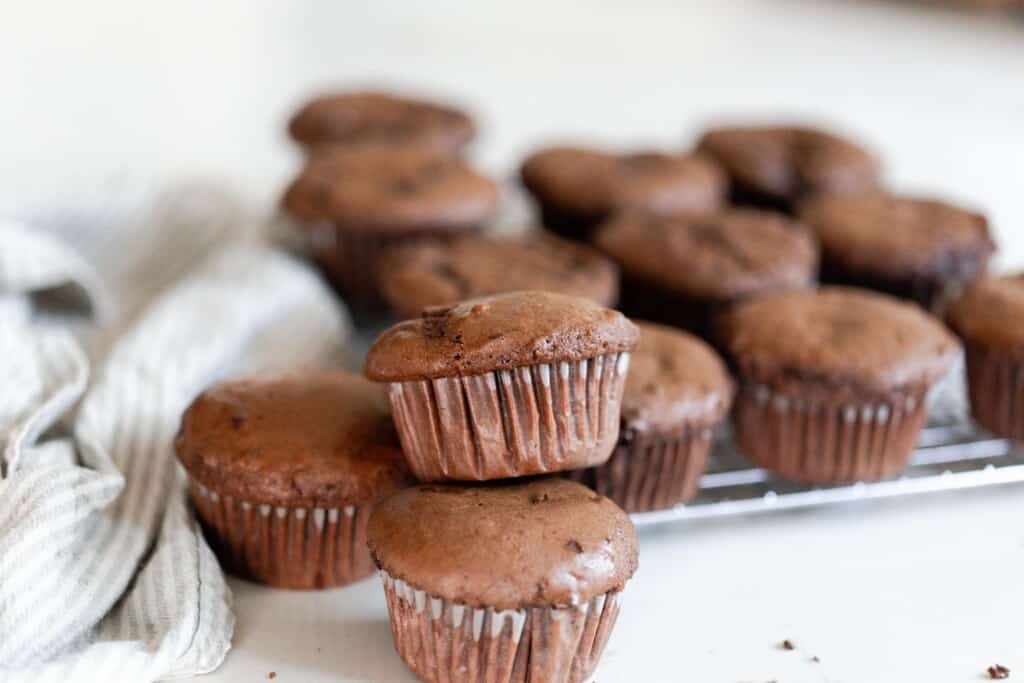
(998, 671)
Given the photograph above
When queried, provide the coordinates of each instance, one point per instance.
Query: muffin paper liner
(996, 388)
(570, 225)
(651, 472)
(511, 423)
(817, 441)
(646, 300)
(446, 642)
(286, 547)
(348, 258)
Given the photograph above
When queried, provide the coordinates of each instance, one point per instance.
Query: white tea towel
(104, 575)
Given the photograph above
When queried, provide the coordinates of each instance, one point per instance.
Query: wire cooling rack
(952, 453)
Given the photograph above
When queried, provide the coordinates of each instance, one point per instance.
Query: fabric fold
(104, 574)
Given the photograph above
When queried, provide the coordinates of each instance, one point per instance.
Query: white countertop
(930, 589)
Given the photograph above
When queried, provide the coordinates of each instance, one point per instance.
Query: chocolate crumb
(815, 658)
(998, 671)
(788, 645)
(272, 675)
(574, 545)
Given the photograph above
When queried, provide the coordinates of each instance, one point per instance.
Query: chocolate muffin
(920, 249)
(357, 202)
(505, 386)
(424, 275)
(677, 392)
(833, 382)
(989, 317)
(512, 582)
(685, 270)
(353, 118)
(284, 469)
(777, 166)
(577, 188)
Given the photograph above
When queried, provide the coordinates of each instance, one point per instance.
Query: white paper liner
(446, 642)
(287, 547)
(817, 441)
(511, 423)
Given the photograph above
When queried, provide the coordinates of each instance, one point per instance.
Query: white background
(925, 590)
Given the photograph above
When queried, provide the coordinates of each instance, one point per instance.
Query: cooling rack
(951, 453)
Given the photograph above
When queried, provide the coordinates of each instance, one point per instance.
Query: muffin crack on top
(568, 543)
(490, 333)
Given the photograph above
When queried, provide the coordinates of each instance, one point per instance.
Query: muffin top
(526, 543)
(386, 188)
(788, 162)
(724, 255)
(497, 333)
(382, 118)
(595, 183)
(431, 274)
(991, 314)
(308, 438)
(674, 380)
(839, 339)
(898, 236)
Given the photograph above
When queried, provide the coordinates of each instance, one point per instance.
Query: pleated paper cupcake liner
(644, 300)
(996, 388)
(286, 547)
(574, 226)
(348, 258)
(817, 442)
(651, 473)
(511, 423)
(446, 642)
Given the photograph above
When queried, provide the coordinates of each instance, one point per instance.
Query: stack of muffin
(509, 367)
(513, 580)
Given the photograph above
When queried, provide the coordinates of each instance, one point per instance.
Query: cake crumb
(815, 659)
(788, 645)
(998, 671)
(272, 675)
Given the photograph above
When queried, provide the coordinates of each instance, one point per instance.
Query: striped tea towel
(115, 310)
